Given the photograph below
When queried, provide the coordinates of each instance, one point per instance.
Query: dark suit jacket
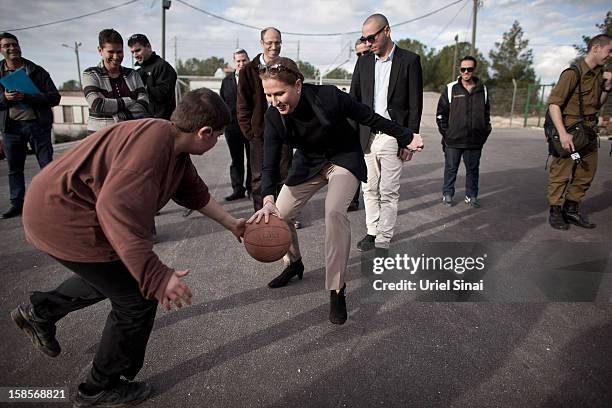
(405, 94)
(229, 93)
(335, 139)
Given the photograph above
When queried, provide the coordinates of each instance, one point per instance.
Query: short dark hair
(600, 39)
(469, 58)
(4, 35)
(199, 108)
(138, 39)
(265, 30)
(109, 36)
(241, 51)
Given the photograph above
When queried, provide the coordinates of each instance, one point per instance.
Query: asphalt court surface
(242, 344)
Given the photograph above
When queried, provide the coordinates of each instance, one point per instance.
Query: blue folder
(19, 81)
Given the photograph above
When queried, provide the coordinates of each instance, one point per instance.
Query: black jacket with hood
(465, 122)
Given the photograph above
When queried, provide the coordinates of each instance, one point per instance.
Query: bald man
(389, 79)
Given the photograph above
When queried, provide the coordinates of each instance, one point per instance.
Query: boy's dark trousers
(124, 339)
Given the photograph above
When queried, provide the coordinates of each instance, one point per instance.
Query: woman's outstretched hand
(268, 209)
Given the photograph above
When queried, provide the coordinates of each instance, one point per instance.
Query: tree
(604, 28)
(512, 59)
(339, 73)
(427, 60)
(194, 66)
(71, 85)
(307, 69)
(441, 66)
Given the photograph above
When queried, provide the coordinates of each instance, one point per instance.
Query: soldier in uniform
(568, 181)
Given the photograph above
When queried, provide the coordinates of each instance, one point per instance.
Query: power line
(208, 13)
(73, 18)
(449, 23)
(314, 34)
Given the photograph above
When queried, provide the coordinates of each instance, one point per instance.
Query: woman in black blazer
(314, 120)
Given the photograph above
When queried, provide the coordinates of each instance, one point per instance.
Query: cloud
(550, 23)
(549, 63)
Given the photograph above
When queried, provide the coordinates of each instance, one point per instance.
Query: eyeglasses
(371, 38)
(275, 69)
(10, 45)
(271, 43)
(466, 69)
(359, 54)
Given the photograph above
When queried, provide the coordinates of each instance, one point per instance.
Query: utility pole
(237, 43)
(298, 55)
(175, 52)
(454, 72)
(165, 6)
(474, 13)
(76, 51)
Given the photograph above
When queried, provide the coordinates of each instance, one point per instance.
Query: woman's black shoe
(294, 269)
(337, 306)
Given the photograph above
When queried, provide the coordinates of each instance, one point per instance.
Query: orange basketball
(267, 242)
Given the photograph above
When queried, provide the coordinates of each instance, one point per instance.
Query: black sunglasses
(276, 69)
(371, 38)
(359, 54)
(466, 69)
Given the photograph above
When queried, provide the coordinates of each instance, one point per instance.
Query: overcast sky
(552, 26)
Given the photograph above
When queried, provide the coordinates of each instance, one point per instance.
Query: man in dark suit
(389, 80)
(236, 141)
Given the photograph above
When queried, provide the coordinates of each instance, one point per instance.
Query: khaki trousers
(341, 186)
(381, 191)
(559, 186)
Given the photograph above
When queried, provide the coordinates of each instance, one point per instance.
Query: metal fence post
(513, 100)
(527, 105)
(541, 104)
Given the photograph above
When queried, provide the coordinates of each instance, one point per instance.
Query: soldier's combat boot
(556, 219)
(572, 215)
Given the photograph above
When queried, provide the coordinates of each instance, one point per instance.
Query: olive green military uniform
(592, 83)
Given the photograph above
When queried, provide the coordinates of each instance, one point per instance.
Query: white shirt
(382, 72)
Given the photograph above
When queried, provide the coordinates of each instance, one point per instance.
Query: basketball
(267, 242)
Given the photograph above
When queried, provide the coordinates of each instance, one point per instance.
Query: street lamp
(165, 6)
(76, 51)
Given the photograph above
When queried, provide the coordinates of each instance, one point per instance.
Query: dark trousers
(16, 138)
(238, 144)
(128, 326)
(257, 166)
(471, 159)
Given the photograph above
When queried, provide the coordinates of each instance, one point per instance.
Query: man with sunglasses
(389, 80)
(251, 106)
(464, 122)
(157, 75)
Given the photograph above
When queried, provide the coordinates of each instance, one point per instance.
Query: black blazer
(229, 94)
(335, 140)
(405, 94)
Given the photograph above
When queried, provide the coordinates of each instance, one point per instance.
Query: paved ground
(244, 345)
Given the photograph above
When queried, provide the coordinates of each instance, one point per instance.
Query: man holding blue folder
(25, 115)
